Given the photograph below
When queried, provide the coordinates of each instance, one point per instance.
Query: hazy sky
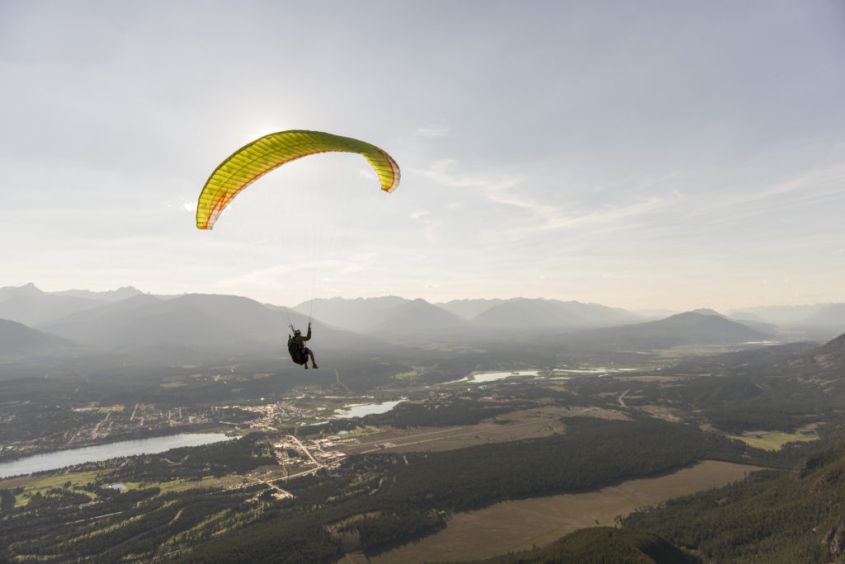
(638, 154)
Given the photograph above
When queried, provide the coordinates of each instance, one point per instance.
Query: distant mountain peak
(706, 311)
(681, 329)
(533, 313)
(122, 293)
(28, 289)
(469, 308)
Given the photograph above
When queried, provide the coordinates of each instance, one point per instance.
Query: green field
(35, 484)
(775, 440)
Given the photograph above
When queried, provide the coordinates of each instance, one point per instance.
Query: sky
(651, 154)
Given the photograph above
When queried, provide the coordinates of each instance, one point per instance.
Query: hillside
(31, 306)
(30, 289)
(603, 545)
(208, 322)
(688, 328)
(359, 315)
(776, 517)
(423, 320)
(386, 317)
(824, 365)
(827, 321)
(523, 313)
(468, 309)
(18, 339)
(778, 315)
(817, 321)
(123, 293)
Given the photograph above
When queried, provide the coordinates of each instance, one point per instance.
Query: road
(306, 451)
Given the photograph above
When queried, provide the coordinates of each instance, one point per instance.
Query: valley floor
(523, 524)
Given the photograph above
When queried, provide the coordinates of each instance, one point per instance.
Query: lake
(599, 370)
(362, 409)
(484, 377)
(98, 453)
(494, 376)
(556, 374)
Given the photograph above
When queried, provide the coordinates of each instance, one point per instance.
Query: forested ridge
(774, 516)
(602, 545)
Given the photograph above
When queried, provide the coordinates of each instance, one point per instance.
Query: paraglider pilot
(299, 353)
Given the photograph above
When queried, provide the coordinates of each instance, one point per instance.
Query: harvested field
(521, 524)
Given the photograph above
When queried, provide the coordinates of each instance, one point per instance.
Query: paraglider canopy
(252, 161)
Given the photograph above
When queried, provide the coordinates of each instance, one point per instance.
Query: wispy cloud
(433, 131)
(541, 215)
(445, 172)
(617, 215)
(808, 187)
(419, 214)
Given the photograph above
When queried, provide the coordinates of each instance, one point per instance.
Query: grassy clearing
(178, 485)
(405, 376)
(34, 484)
(775, 440)
(361, 431)
(521, 524)
(51, 481)
(182, 485)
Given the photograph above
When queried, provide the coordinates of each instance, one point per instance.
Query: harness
(297, 351)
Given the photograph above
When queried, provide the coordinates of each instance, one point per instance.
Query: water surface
(98, 453)
(362, 409)
(484, 377)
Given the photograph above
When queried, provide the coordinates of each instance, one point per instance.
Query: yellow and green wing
(271, 151)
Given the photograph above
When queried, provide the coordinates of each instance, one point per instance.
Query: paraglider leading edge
(266, 153)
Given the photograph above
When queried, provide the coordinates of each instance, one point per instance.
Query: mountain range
(31, 306)
(522, 313)
(816, 321)
(127, 320)
(400, 316)
(221, 323)
(690, 328)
